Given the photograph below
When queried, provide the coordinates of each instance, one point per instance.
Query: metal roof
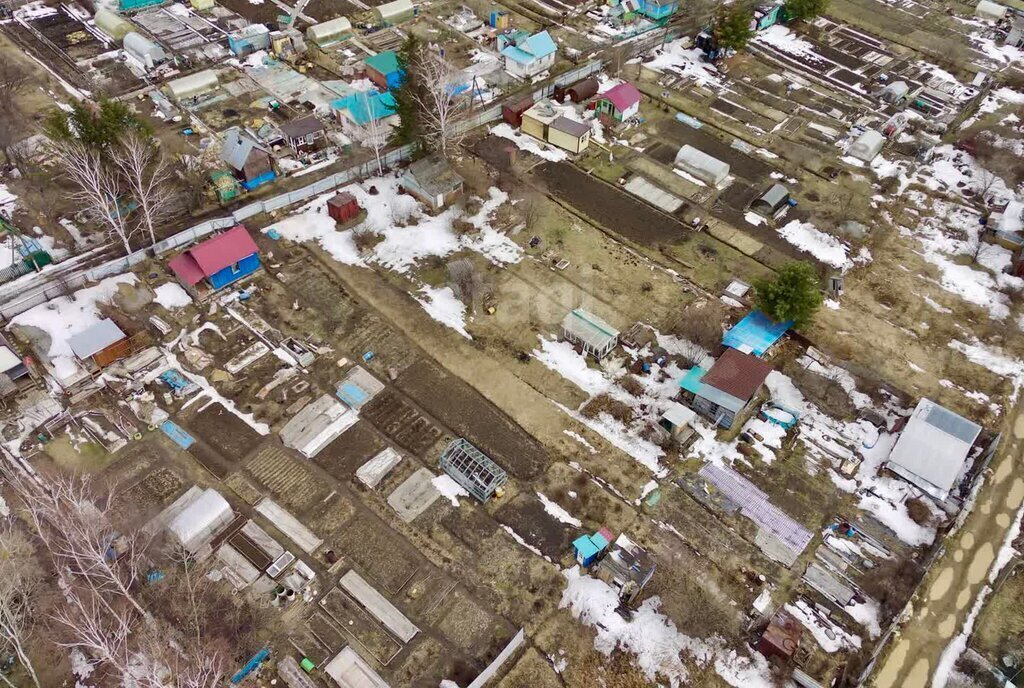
(623, 96)
(679, 415)
(95, 338)
(385, 63)
(237, 147)
(537, 46)
(774, 197)
(932, 450)
(570, 127)
(737, 374)
(755, 333)
(213, 255)
(297, 128)
(589, 328)
(434, 174)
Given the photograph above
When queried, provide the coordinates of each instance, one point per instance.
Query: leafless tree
(437, 101)
(14, 80)
(97, 188)
(373, 134)
(148, 175)
(984, 181)
(531, 210)
(466, 281)
(20, 578)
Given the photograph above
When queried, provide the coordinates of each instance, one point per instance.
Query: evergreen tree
(792, 295)
(732, 27)
(405, 105)
(804, 9)
(97, 127)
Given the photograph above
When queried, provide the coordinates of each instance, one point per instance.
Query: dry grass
(603, 403)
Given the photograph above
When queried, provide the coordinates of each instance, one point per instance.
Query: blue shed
(658, 9)
(217, 262)
(755, 334)
(588, 548)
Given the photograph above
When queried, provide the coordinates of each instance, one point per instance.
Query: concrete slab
(414, 496)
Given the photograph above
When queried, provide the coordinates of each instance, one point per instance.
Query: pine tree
(733, 27)
(405, 95)
(97, 127)
(804, 9)
(792, 295)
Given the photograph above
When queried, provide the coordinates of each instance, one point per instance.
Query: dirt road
(947, 595)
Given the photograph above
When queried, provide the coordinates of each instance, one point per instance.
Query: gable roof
(737, 374)
(367, 107)
(95, 338)
(623, 96)
(302, 126)
(434, 174)
(385, 62)
(933, 448)
(237, 148)
(213, 255)
(570, 126)
(537, 46)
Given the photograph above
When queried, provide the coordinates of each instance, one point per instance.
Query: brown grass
(603, 403)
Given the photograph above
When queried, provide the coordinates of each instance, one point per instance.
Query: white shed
(328, 32)
(112, 24)
(196, 524)
(992, 11)
(701, 165)
(193, 85)
(867, 146)
(144, 50)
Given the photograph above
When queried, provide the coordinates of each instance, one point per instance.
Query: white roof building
(196, 524)
(932, 450)
(349, 670)
(701, 165)
(993, 11)
(867, 146)
(193, 84)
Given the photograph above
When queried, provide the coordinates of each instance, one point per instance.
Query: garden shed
(472, 469)
(701, 165)
(594, 335)
(102, 343)
(342, 207)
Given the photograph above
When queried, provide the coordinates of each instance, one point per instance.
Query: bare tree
(148, 174)
(436, 99)
(20, 578)
(14, 80)
(97, 188)
(372, 134)
(531, 209)
(984, 181)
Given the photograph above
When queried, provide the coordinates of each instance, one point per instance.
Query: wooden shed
(513, 112)
(343, 207)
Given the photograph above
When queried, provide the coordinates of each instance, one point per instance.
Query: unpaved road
(947, 595)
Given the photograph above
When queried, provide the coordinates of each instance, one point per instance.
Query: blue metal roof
(691, 382)
(366, 107)
(533, 48)
(755, 333)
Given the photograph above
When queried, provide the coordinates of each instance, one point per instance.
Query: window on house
(236, 268)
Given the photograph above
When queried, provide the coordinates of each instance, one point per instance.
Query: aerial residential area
(511, 343)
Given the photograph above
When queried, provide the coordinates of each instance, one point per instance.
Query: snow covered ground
(529, 144)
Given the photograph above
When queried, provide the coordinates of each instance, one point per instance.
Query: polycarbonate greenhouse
(472, 469)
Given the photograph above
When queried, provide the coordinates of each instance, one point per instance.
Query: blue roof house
(658, 9)
(755, 334)
(588, 548)
(363, 108)
(384, 70)
(527, 56)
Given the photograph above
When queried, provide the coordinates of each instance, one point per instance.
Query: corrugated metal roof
(213, 255)
(570, 127)
(186, 269)
(623, 96)
(755, 333)
(737, 374)
(95, 338)
(932, 450)
(385, 63)
(237, 147)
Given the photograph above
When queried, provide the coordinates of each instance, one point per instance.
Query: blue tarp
(352, 394)
(175, 432)
(250, 666)
(755, 333)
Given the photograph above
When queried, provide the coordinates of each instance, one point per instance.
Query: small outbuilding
(867, 146)
(781, 638)
(619, 103)
(250, 162)
(383, 70)
(627, 567)
(589, 548)
(433, 181)
(771, 201)
(677, 422)
(545, 122)
(579, 92)
(302, 134)
(931, 452)
(343, 207)
(249, 39)
(990, 11)
(472, 469)
(512, 113)
(395, 13)
(216, 263)
(699, 164)
(589, 332)
(102, 343)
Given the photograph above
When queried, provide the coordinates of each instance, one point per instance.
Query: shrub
(918, 511)
(603, 403)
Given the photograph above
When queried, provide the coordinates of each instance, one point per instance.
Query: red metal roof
(213, 255)
(622, 96)
(737, 373)
(185, 267)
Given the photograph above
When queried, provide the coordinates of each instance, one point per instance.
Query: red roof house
(218, 261)
(619, 102)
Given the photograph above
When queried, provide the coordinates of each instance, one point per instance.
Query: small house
(395, 13)
(343, 207)
(302, 134)
(249, 39)
(618, 103)
(658, 10)
(931, 452)
(101, 344)
(512, 113)
(771, 202)
(217, 262)
(627, 567)
(781, 638)
(433, 181)
(527, 56)
(990, 11)
(578, 92)
(725, 391)
(756, 334)
(250, 163)
(588, 548)
(365, 107)
(384, 70)
(326, 34)
(867, 146)
(589, 332)
(472, 469)
(699, 164)
(768, 15)
(543, 121)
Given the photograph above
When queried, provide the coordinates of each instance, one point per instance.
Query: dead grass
(603, 403)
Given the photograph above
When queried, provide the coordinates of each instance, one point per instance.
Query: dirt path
(947, 595)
